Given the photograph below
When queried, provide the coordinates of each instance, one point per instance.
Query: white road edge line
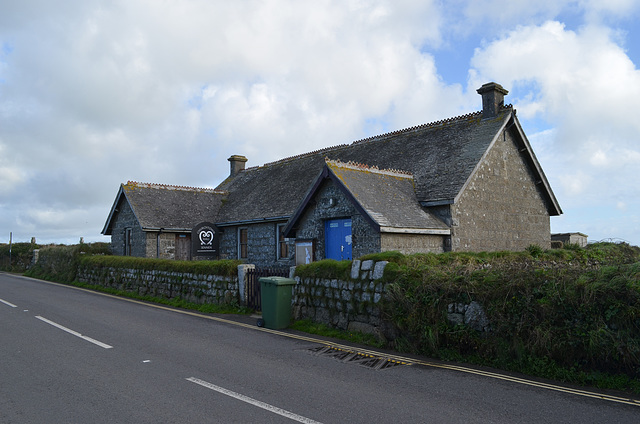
(8, 303)
(75, 333)
(254, 402)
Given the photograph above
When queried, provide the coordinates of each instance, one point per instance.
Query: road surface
(75, 356)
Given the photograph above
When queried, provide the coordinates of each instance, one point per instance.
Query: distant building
(571, 238)
(469, 183)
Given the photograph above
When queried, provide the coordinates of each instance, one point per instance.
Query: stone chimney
(492, 99)
(237, 164)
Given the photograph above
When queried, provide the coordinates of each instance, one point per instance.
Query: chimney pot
(237, 164)
(492, 99)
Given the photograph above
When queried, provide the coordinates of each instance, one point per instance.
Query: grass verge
(208, 308)
(319, 329)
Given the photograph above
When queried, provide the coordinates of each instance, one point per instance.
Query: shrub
(60, 263)
(569, 314)
(20, 258)
(577, 310)
(327, 268)
(222, 267)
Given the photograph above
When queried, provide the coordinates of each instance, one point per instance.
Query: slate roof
(441, 156)
(387, 197)
(172, 208)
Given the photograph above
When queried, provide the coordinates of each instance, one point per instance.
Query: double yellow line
(397, 358)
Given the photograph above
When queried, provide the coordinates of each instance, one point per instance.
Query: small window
(127, 242)
(283, 249)
(243, 238)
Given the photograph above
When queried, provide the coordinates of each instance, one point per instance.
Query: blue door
(337, 236)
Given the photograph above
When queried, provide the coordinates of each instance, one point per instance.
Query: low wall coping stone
(378, 270)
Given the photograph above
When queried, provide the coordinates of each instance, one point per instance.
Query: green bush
(569, 314)
(575, 310)
(327, 268)
(223, 267)
(60, 263)
(19, 259)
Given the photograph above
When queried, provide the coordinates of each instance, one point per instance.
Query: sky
(94, 94)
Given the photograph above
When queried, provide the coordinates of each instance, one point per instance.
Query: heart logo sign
(204, 240)
(206, 237)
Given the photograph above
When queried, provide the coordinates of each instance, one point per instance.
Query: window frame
(281, 242)
(244, 245)
(128, 241)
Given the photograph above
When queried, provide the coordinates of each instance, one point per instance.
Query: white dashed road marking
(75, 333)
(259, 404)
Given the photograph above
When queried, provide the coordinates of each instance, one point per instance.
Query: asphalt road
(73, 356)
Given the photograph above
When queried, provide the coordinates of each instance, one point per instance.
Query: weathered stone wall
(262, 245)
(502, 207)
(348, 305)
(122, 220)
(331, 203)
(412, 243)
(161, 245)
(190, 287)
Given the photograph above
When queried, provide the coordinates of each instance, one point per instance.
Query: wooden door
(183, 247)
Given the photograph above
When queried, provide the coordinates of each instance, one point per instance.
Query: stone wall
(161, 245)
(125, 218)
(262, 245)
(352, 305)
(501, 208)
(190, 287)
(412, 243)
(331, 203)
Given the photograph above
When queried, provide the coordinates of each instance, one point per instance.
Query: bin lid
(278, 281)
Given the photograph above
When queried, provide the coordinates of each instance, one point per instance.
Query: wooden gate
(254, 300)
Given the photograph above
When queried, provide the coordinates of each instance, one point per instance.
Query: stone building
(469, 183)
(579, 239)
(155, 220)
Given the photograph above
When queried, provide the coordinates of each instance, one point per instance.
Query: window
(282, 248)
(243, 238)
(127, 241)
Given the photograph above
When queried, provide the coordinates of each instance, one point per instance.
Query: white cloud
(93, 94)
(584, 85)
(588, 86)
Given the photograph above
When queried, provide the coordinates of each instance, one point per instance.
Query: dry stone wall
(190, 287)
(352, 305)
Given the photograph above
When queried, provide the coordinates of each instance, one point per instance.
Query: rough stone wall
(501, 208)
(124, 219)
(349, 305)
(331, 203)
(411, 243)
(262, 245)
(190, 287)
(161, 246)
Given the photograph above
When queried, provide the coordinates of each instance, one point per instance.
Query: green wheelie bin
(275, 295)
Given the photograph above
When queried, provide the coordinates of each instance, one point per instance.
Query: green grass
(208, 308)
(310, 327)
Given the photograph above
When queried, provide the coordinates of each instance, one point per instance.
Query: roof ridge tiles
(423, 126)
(372, 168)
(396, 132)
(301, 155)
(174, 187)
